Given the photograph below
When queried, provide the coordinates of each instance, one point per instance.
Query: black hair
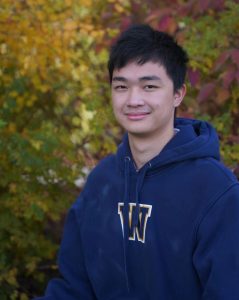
(141, 43)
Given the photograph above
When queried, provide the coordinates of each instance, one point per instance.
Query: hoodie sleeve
(216, 257)
(74, 284)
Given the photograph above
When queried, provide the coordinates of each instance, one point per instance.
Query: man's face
(144, 100)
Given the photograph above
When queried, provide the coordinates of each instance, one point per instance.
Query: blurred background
(55, 112)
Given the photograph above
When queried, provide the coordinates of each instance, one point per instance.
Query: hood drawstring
(135, 217)
(126, 217)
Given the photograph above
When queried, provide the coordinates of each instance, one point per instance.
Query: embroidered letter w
(140, 229)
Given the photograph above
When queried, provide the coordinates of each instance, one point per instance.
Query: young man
(160, 218)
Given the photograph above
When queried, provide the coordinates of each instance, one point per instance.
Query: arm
(75, 284)
(216, 257)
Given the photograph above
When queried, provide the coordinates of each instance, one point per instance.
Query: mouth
(137, 115)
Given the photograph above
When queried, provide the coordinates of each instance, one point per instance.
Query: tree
(55, 112)
(53, 120)
(208, 31)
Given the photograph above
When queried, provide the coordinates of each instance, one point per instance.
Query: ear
(179, 95)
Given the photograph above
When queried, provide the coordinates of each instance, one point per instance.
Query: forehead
(134, 71)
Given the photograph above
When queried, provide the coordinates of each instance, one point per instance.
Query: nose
(135, 97)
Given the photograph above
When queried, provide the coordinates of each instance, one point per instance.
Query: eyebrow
(119, 78)
(148, 78)
(144, 78)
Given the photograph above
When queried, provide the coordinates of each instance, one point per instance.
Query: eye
(120, 87)
(150, 87)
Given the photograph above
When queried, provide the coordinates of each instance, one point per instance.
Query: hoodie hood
(195, 139)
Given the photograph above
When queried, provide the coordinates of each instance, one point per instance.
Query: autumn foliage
(55, 113)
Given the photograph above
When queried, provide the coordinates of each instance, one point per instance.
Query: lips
(136, 115)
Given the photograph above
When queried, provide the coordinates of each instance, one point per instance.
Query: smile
(136, 116)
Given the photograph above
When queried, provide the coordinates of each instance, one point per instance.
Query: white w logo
(144, 214)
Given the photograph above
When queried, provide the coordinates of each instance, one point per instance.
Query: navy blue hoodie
(169, 231)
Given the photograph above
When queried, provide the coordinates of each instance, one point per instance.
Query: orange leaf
(222, 96)
(206, 92)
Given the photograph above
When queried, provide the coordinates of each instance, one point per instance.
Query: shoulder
(100, 176)
(214, 171)
(208, 180)
(217, 171)
(104, 168)
(102, 173)
(217, 182)
(219, 189)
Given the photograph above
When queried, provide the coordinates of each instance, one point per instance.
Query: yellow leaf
(11, 277)
(13, 188)
(12, 127)
(36, 144)
(70, 25)
(76, 121)
(24, 297)
(20, 102)
(86, 117)
(31, 266)
(86, 3)
(3, 48)
(13, 94)
(68, 2)
(119, 8)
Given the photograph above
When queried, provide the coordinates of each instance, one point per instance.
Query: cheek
(116, 109)
(164, 101)
(117, 102)
(163, 109)
(115, 106)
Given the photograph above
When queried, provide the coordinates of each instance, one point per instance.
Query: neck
(144, 148)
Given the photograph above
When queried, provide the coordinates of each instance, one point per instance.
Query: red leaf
(158, 14)
(187, 115)
(205, 92)
(135, 6)
(228, 76)
(167, 23)
(193, 76)
(204, 5)
(237, 76)
(218, 5)
(235, 56)
(125, 23)
(186, 9)
(221, 60)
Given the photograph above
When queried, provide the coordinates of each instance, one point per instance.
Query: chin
(138, 133)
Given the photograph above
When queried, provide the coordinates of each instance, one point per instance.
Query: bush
(55, 112)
